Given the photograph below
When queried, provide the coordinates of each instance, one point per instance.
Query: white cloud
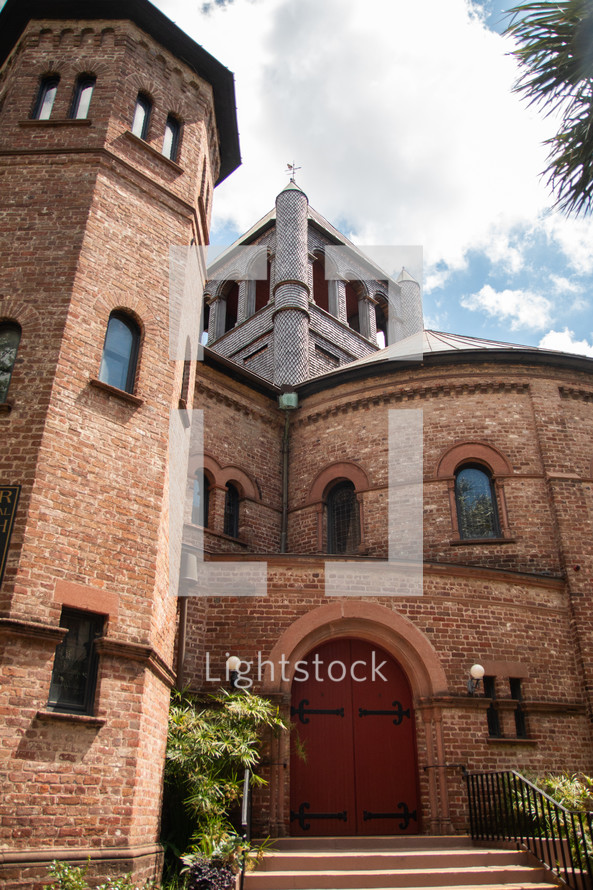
(400, 115)
(404, 122)
(563, 285)
(564, 341)
(520, 308)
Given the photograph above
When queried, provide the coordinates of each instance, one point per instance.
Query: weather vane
(292, 169)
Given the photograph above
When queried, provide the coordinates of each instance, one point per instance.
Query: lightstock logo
(396, 302)
(248, 672)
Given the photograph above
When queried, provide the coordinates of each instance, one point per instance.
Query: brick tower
(114, 130)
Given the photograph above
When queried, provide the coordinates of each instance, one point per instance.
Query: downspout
(181, 640)
(288, 401)
(285, 450)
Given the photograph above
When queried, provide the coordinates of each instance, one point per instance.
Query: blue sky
(403, 120)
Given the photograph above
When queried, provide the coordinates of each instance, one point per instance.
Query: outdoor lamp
(476, 672)
(233, 663)
(189, 567)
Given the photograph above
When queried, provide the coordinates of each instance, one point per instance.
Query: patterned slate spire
(291, 291)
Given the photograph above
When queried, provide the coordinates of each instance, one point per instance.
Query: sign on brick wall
(9, 498)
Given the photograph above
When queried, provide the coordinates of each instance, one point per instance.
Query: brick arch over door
(409, 647)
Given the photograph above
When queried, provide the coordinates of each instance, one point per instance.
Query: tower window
(343, 519)
(231, 511)
(171, 139)
(120, 352)
(476, 504)
(46, 95)
(141, 116)
(74, 674)
(10, 336)
(231, 307)
(352, 307)
(82, 97)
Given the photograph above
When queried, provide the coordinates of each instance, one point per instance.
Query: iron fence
(507, 806)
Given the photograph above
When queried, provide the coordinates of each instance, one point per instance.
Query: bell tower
(114, 129)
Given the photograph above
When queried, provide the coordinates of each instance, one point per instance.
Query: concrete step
(370, 863)
(475, 877)
(369, 860)
(372, 842)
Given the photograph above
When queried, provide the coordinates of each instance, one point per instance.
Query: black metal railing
(245, 821)
(507, 806)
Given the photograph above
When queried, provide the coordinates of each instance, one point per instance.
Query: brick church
(365, 511)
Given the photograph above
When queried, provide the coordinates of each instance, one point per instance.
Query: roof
(437, 341)
(17, 13)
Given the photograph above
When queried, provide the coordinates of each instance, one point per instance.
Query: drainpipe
(287, 401)
(181, 640)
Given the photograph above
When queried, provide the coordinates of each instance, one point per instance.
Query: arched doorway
(353, 758)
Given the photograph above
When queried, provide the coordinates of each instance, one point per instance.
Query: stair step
(473, 876)
(359, 860)
(371, 842)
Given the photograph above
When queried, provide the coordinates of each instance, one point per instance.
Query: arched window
(343, 519)
(320, 284)
(120, 352)
(46, 95)
(10, 335)
(352, 307)
(231, 307)
(141, 116)
(477, 514)
(205, 332)
(231, 511)
(82, 97)
(262, 289)
(171, 138)
(381, 320)
(201, 499)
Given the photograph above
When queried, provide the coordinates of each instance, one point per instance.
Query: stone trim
(77, 854)
(569, 392)
(138, 652)
(86, 597)
(56, 122)
(232, 402)
(121, 394)
(408, 393)
(32, 629)
(153, 151)
(69, 717)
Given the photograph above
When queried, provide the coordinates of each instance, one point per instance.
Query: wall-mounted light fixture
(189, 567)
(476, 672)
(233, 663)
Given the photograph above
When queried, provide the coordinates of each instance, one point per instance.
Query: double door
(353, 760)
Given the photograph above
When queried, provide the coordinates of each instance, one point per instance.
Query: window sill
(118, 393)
(5, 407)
(153, 151)
(58, 122)
(460, 542)
(69, 717)
(510, 741)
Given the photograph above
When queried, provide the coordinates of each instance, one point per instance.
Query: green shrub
(72, 877)
(210, 744)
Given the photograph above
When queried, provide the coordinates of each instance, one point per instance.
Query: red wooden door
(353, 763)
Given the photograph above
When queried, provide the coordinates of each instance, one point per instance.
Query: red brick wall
(504, 604)
(89, 214)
